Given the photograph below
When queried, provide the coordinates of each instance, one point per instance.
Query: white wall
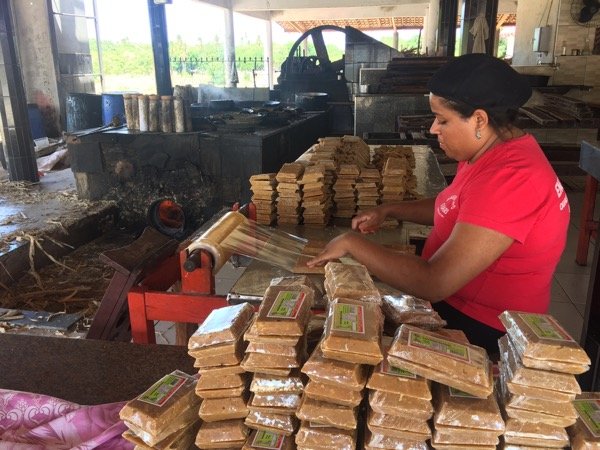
(532, 14)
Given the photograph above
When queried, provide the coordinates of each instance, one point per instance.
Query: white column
(231, 76)
(268, 53)
(431, 23)
(395, 38)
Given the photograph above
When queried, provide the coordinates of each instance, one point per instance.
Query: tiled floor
(569, 288)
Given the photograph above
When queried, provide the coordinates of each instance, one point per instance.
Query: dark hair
(499, 120)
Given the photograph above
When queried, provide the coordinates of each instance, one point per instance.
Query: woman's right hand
(370, 220)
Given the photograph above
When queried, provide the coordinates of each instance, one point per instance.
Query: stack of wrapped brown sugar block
(344, 196)
(165, 415)
(537, 384)
(289, 193)
(277, 348)
(367, 189)
(316, 185)
(585, 433)
(264, 193)
(218, 348)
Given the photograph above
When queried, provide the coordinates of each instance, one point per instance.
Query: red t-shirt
(512, 189)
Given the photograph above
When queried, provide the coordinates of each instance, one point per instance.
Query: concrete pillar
(268, 53)
(37, 61)
(395, 39)
(432, 20)
(231, 75)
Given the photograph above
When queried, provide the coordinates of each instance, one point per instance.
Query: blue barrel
(83, 111)
(35, 121)
(113, 105)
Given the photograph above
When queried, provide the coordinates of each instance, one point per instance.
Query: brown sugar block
(538, 434)
(468, 436)
(263, 384)
(520, 374)
(350, 281)
(221, 381)
(585, 433)
(277, 423)
(254, 362)
(434, 356)
(353, 332)
(390, 433)
(252, 335)
(541, 337)
(398, 405)
(220, 393)
(404, 422)
(333, 393)
(163, 406)
(399, 309)
(276, 349)
(287, 401)
(554, 408)
(383, 441)
(262, 177)
(265, 440)
(223, 359)
(224, 434)
(180, 440)
(439, 446)
(319, 368)
(217, 409)
(217, 371)
(285, 310)
(290, 171)
(223, 325)
(454, 408)
(270, 408)
(326, 413)
(312, 435)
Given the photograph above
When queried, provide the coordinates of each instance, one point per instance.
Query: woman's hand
(336, 248)
(369, 221)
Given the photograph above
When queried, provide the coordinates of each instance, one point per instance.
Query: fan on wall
(585, 12)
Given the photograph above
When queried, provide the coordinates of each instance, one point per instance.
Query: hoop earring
(477, 133)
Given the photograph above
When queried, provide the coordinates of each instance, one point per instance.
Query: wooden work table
(85, 371)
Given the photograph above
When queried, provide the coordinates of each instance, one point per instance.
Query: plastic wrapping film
(285, 310)
(535, 434)
(540, 337)
(227, 432)
(180, 440)
(585, 433)
(556, 381)
(252, 335)
(385, 377)
(268, 440)
(404, 308)
(338, 416)
(290, 402)
(221, 381)
(273, 384)
(285, 410)
(254, 362)
(431, 355)
(350, 281)
(454, 408)
(382, 441)
(565, 409)
(313, 435)
(404, 422)
(223, 325)
(353, 332)
(467, 436)
(164, 407)
(353, 376)
(278, 423)
(215, 409)
(397, 404)
(333, 393)
(292, 351)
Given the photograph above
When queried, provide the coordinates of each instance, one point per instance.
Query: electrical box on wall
(541, 39)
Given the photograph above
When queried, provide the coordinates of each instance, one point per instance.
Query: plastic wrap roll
(211, 240)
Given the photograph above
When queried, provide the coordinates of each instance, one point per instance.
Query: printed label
(387, 369)
(589, 413)
(458, 393)
(287, 305)
(162, 390)
(268, 439)
(438, 345)
(545, 327)
(348, 317)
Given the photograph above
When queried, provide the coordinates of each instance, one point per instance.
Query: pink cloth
(39, 422)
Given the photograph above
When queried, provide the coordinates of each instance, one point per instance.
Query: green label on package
(162, 390)
(287, 305)
(589, 413)
(348, 317)
(439, 345)
(545, 327)
(268, 439)
(395, 371)
(458, 393)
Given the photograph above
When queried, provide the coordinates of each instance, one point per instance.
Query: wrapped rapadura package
(221, 393)
(397, 405)
(268, 440)
(353, 332)
(215, 409)
(565, 409)
(338, 416)
(506, 446)
(277, 423)
(277, 349)
(252, 336)
(180, 440)
(555, 381)
(167, 406)
(440, 446)
(350, 281)
(467, 436)
(265, 384)
(404, 423)
(585, 433)
(270, 408)
(285, 310)
(353, 376)
(253, 362)
(214, 356)
(454, 408)
(531, 391)
(517, 431)
(540, 336)
(434, 356)
(397, 434)
(223, 325)
(223, 434)
(312, 435)
(221, 381)
(289, 402)
(218, 371)
(397, 380)
(403, 308)
(333, 393)
(382, 441)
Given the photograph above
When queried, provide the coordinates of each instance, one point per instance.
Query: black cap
(481, 81)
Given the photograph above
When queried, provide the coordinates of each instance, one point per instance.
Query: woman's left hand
(336, 248)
